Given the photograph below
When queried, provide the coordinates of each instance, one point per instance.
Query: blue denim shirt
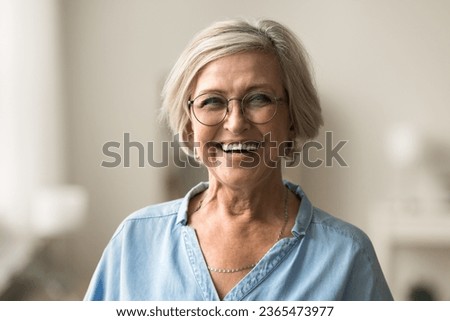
(155, 255)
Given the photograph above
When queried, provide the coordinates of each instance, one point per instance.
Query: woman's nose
(235, 120)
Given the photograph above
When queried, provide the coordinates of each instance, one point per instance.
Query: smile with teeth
(239, 147)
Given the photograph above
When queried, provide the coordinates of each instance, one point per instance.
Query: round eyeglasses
(210, 109)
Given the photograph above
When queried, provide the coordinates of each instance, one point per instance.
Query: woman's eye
(213, 102)
(258, 100)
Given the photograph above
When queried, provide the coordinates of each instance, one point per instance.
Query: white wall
(31, 106)
(377, 63)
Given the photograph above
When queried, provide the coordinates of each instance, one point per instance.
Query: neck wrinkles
(247, 203)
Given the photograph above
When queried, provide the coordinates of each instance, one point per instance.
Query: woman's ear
(186, 139)
(188, 132)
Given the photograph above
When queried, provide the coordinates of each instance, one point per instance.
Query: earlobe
(195, 154)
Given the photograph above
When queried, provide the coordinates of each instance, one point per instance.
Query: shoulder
(160, 210)
(150, 217)
(339, 231)
(331, 222)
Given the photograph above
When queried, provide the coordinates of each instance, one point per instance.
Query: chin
(237, 173)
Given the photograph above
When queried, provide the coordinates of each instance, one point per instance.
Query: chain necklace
(251, 266)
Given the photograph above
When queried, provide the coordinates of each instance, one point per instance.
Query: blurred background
(75, 75)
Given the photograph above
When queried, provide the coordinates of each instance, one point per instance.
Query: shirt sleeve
(105, 282)
(366, 279)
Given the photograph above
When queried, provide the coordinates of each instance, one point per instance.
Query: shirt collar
(304, 214)
(183, 210)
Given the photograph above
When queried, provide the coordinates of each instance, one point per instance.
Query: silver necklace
(251, 266)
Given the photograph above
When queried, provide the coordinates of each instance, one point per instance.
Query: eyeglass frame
(277, 100)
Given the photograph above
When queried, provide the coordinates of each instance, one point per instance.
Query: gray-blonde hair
(235, 36)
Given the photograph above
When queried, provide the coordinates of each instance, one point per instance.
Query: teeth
(248, 147)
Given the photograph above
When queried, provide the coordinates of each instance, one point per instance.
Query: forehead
(240, 72)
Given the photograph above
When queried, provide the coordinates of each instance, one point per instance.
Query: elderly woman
(242, 98)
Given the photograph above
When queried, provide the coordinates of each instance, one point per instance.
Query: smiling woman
(241, 75)
(241, 98)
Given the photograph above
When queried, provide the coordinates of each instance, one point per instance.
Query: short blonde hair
(235, 36)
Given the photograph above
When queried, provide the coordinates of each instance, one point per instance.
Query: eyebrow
(265, 87)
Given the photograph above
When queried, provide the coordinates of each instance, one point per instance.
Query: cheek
(202, 136)
(203, 142)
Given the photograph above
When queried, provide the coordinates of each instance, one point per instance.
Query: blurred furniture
(16, 252)
(414, 250)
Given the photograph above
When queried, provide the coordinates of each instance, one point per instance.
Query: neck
(247, 201)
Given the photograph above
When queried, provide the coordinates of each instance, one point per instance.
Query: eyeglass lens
(212, 108)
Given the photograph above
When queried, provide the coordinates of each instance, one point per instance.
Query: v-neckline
(273, 257)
